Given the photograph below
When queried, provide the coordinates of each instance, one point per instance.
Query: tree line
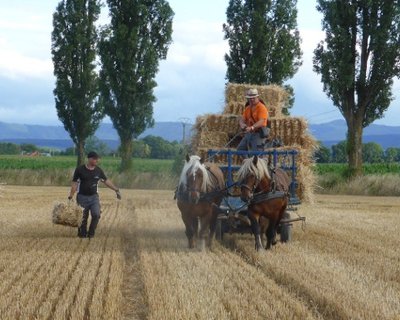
(371, 153)
(149, 147)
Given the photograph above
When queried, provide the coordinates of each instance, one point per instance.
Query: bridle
(262, 195)
(190, 189)
(206, 196)
(252, 190)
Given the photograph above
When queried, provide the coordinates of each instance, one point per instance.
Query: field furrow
(239, 289)
(346, 265)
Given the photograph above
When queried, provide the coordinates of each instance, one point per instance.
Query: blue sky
(190, 82)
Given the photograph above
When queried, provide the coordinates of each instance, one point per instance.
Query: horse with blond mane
(199, 194)
(266, 196)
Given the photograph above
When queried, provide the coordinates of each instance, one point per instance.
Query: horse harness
(263, 195)
(204, 196)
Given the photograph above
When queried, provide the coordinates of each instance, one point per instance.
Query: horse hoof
(202, 245)
(260, 249)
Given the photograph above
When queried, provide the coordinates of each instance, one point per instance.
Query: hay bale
(214, 130)
(212, 139)
(293, 132)
(235, 108)
(273, 95)
(67, 214)
(306, 183)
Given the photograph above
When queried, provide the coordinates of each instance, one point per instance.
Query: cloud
(191, 80)
(311, 102)
(25, 29)
(15, 65)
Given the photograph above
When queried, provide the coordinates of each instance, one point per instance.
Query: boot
(82, 233)
(92, 227)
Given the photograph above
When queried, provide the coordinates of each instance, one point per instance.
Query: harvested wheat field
(346, 265)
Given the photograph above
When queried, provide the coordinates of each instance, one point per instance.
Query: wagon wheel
(286, 229)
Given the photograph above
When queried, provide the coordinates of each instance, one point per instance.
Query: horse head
(195, 178)
(254, 176)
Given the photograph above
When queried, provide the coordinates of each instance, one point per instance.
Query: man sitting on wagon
(254, 123)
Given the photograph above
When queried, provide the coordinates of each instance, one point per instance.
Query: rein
(204, 196)
(264, 195)
(225, 146)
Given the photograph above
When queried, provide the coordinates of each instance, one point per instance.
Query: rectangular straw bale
(273, 95)
(213, 139)
(309, 142)
(238, 109)
(216, 122)
(214, 130)
(67, 214)
(234, 108)
(292, 131)
(307, 181)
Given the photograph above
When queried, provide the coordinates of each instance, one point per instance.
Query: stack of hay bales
(215, 131)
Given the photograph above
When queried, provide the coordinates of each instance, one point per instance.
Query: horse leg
(271, 234)
(255, 228)
(204, 231)
(213, 226)
(196, 227)
(188, 220)
(263, 228)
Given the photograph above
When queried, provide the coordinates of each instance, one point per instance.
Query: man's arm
(110, 185)
(242, 123)
(259, 124)
(74, 187)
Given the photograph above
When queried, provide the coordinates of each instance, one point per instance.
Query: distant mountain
(56, 136)
(333, 132)
(168, 130)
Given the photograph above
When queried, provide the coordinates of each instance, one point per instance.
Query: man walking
(254, 123)
(85, 181)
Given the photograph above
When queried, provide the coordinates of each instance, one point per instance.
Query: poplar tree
(358, 61)
(264, 42)
(130, 48)
(74, 39)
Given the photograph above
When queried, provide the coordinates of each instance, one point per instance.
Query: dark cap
(93, 155)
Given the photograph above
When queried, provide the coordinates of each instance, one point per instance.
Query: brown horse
(258, 190)
(200, 190)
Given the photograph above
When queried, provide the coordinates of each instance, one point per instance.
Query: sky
(190, 81)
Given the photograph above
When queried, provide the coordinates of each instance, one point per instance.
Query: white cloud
(192, 78)
(190, 82)
(14, 64)
(198, 42)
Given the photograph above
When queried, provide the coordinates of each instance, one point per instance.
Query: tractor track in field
(135, 299)
(346, 265)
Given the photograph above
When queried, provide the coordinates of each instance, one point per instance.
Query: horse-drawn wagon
(200, 194)
(233, 212)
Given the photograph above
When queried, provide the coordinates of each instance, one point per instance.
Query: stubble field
(346, 265)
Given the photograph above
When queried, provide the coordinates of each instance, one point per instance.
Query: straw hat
(252, 93)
